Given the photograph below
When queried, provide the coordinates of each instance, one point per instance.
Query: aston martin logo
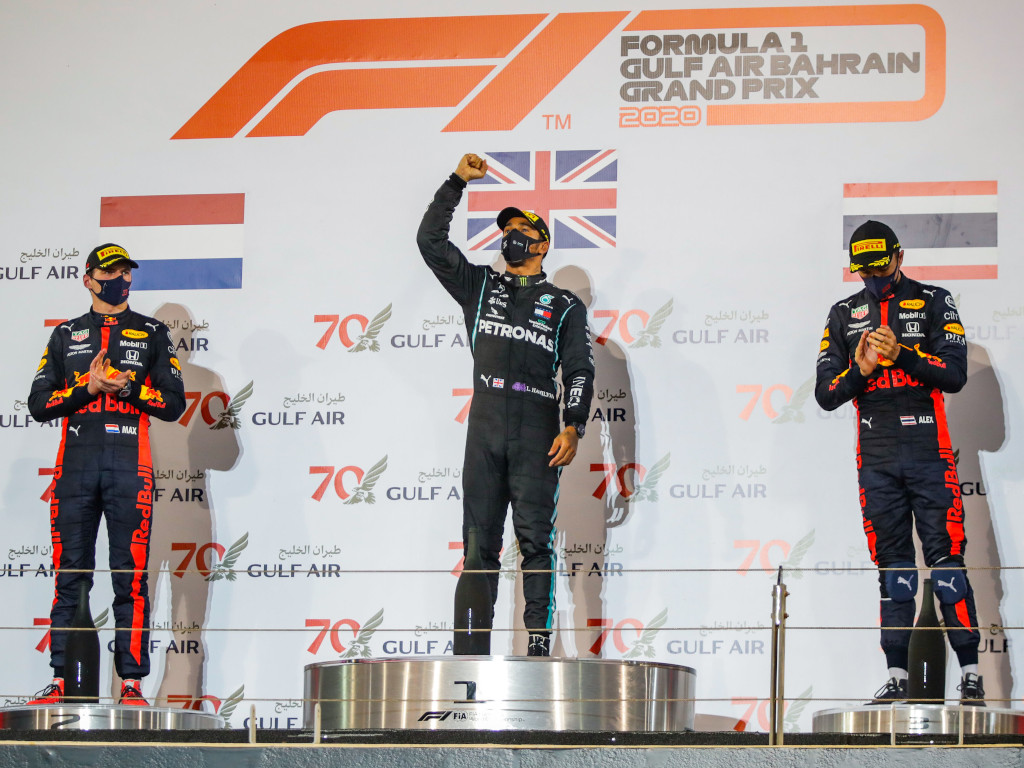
(229, 418)
(364, 491)
(368, 340)
(649, 335)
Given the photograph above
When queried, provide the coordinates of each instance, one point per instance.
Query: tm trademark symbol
(561, 122)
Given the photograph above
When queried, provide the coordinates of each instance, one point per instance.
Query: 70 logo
(761, 552)
(338, 474)
(200, 553)
(341, 325)
(332, 631)
(622, 320)
(763, 394)
(617, 473)
(202, 402)
(609, 628)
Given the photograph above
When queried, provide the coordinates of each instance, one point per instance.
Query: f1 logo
(333, 66)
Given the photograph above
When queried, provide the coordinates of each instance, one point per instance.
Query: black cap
(872, 244)
(535, 221)
(107, 255)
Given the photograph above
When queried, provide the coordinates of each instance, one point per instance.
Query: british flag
(574, 191)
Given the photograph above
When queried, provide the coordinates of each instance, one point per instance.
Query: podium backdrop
(701, 169)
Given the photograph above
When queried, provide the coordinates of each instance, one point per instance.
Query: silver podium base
(499, 693)
(105, 717)
(923, 719)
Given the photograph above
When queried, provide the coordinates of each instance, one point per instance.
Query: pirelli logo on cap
(867, 246)
(863, 248)
(113, 253)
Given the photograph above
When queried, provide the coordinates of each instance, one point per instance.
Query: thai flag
(947, 228)
(182, 242)
(574, 191)
(113, 429)
(908, 421)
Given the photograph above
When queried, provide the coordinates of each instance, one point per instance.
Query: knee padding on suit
(901, 582)
(950, 584)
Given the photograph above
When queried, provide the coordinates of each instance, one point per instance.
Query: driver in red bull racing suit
(105, 374)
(894, 348)
(521, 330)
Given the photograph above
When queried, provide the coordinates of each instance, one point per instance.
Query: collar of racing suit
(523, 280)
(103, 320)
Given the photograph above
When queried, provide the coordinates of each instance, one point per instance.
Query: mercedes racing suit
(521, 330)
(905, 462)
(104, 467)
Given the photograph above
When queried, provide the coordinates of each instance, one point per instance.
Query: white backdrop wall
(705, 231)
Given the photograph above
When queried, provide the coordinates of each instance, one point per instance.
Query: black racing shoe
(893, 691)
(972, 691)
(540, 645)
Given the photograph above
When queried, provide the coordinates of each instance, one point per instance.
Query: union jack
(574, 191)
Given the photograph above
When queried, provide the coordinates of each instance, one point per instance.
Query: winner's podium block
(499, 693)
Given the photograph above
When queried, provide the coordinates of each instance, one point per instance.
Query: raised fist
(471, 167)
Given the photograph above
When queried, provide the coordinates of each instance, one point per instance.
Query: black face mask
(515, 247)
(113, 291)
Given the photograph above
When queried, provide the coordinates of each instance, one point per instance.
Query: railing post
(777, 692)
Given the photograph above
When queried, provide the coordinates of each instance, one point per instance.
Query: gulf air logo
(308, 71)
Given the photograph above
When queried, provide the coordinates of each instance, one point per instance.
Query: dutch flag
(182, 242)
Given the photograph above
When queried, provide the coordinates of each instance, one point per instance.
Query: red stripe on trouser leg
(139, 559)
(140, 549)
(961, 614)
(955, 513)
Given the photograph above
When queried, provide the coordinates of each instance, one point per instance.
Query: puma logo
(867, 421)
(930, 293)
(904, 580)
(486, 380)
(947, 584)
(152, 325)
(75, 430)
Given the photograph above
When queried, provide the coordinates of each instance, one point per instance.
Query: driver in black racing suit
(894, 348)
(521, 330)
